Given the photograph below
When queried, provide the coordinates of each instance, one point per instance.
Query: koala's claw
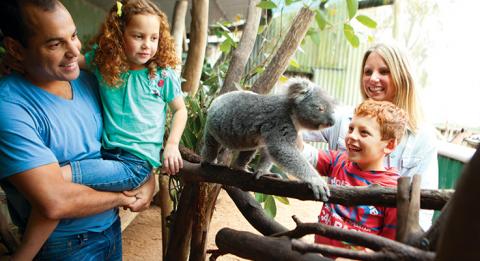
(320, 189)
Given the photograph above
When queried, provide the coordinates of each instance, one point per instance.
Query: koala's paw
(320, 189)
(261, 173)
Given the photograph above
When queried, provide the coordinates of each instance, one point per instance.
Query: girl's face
(376, 80)
(141, 39)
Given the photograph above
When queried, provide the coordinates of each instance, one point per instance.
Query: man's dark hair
(12, 21)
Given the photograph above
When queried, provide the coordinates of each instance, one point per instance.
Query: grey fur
(245, 121)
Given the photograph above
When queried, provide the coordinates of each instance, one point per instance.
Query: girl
(133, 56)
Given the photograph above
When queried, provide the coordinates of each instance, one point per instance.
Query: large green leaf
(367, 21)
(350, 35)
(267, 4)
(352, 6)
(270, 206)
(260, 197)
(320, 19)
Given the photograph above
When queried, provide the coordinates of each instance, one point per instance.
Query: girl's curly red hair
(110, 56)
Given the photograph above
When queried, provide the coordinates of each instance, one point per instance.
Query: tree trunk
(178, 29)
(196, 47)
(166, 207)
(181, 230)
(281, 59)
(461, 232)
(244, 49)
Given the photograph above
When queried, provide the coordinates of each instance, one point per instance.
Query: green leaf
(294, 63)
(367, 21)
(315, 38)
(226, 46)
(352, 6)
(350, 35)
(260, 198)
(270, 206)
(267, 4)
(289, 2)
(259, 69)
(320, 19)
(284, 200)
(261, 28)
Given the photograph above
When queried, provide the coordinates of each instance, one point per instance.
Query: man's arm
(45, 188)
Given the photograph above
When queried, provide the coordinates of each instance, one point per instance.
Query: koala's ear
(298, 89)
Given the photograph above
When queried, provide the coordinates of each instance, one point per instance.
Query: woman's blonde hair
(110, 57)
(403, 82)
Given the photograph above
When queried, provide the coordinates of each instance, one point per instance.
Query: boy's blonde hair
(392, 119)
(403, 82)
(110, 57)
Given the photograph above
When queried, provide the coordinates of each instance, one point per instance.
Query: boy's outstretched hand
(172, 159)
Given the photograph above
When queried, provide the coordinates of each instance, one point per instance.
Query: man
(51, 116)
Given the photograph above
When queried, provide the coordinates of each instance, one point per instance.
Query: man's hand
(143, 194)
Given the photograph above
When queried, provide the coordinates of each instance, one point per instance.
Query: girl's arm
(172, 160)
(36, 233)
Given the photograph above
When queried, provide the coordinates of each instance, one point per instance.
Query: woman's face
(376, 80)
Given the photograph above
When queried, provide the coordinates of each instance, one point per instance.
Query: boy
(375, 130)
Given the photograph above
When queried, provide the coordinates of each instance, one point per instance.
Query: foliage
(211, 81)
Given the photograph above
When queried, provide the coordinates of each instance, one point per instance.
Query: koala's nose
(331, 120)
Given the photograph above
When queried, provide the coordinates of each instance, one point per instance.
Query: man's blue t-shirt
(39, 128)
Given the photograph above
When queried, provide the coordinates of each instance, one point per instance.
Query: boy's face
(365, 145)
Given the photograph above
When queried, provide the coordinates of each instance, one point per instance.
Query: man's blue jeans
(105, 245)
(117, 170)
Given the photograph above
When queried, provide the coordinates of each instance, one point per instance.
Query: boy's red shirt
(371, 219)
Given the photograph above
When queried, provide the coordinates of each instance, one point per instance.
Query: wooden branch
(245, 46)
(197, 45)
(281, 59)
(374, 242)
(253, 212)
(207, 198)
(461, 232)
(348, 196)
(256, 247)
(178, 28)
(181, 230)
(303, 247)
(403, 197)
(429, 239)
(413, 225)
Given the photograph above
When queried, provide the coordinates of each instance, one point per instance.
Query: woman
(386, 76)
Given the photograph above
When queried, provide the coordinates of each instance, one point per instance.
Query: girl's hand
(172, 159)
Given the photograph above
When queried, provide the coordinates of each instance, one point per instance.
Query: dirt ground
(142, 238)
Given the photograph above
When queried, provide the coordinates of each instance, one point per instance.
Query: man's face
(53, 48)
(364, 143)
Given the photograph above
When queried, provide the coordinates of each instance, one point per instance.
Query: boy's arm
(47, 191)
(389, 229)
(172, 160)
(36, 233)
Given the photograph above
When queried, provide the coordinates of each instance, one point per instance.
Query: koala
(246, 122)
